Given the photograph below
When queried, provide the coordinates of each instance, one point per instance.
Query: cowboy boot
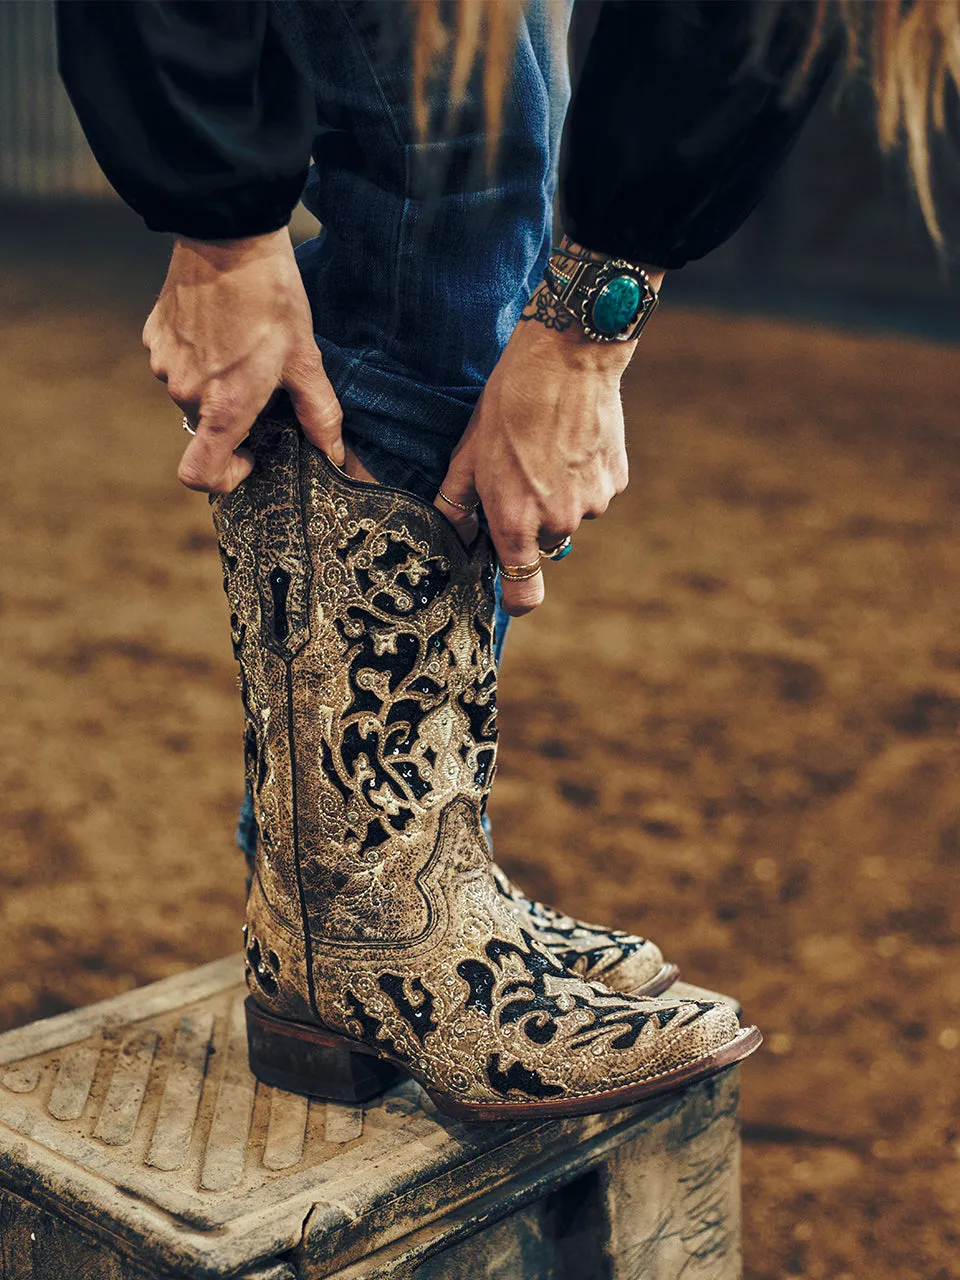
(621, 961)
(377, 942)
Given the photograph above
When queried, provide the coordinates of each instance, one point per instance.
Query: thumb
(316, 406)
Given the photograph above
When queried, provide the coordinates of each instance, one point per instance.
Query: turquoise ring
(560, 551)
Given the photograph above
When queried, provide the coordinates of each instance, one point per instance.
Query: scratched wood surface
(136, 1145)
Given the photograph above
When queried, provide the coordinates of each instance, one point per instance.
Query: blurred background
(732, 726)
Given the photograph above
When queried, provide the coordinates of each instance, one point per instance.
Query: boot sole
(309, 1060)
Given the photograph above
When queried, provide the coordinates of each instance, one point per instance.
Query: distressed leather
(363, 629)
(621, 961)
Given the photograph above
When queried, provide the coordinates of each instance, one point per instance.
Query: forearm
(662, 160)
(197, 112)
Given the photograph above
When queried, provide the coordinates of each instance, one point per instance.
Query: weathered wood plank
(226, 1152)
(663, 1204)
(75, 1077)
(173, 1130)
(133, 1006)
(40, 1246)
(121, 1107)
(286, 1131)
(23, 1078)
(342, 1123)
(672, 1194)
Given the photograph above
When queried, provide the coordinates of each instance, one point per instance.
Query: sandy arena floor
(733, 725)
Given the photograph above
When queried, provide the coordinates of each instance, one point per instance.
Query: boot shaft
(363, 629)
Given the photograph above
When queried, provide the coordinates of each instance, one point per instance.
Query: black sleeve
(672, 137)
(195, 109)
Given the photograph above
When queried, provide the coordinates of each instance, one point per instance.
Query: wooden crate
(136, 1145)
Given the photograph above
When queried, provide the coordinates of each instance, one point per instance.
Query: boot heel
(302, 1059)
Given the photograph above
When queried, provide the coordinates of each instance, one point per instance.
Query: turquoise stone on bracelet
(616, 304)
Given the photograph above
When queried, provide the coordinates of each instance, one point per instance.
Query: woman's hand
(544, 448)
(232, 326)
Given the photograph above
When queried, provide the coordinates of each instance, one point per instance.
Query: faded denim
(423, 267)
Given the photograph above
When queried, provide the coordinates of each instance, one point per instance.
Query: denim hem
(390, 469)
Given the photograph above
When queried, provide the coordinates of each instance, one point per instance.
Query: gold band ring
(519, 577)
(520, 568)
(520, 572)
(186, 424)
(461, 506)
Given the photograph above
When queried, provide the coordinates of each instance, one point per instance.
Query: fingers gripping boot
(377, 938)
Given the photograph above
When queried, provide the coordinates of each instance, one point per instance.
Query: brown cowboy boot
(377, 940)
(621, 961)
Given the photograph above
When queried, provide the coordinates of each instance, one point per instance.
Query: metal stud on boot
(378, 941)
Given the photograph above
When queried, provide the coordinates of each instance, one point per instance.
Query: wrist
(224, 254)
(608, 298)
(557, 337)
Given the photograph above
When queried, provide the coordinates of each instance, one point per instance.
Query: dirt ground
(733, 725)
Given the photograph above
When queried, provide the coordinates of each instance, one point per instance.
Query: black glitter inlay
(481, 981)
(279, 587)
(520, 1079)
(418, 1016)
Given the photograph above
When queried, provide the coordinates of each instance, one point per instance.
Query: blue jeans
(424, 264)
(423, 267)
